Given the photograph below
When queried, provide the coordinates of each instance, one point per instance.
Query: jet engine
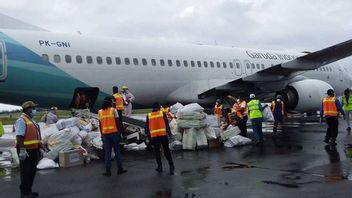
(305, 95)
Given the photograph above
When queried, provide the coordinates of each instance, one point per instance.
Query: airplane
(53, 68)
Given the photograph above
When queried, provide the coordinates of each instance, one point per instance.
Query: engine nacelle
(305, 95)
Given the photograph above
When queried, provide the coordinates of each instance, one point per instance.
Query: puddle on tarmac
(281, 184)
(192, 178)
(231, 166)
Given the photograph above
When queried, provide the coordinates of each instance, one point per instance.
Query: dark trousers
(242, 125)
(257, 129)
(333, 127)
(28, 169)
(121, 122)
(164, 141)
(112, 141)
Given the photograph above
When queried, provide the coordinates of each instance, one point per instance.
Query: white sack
(60, 124)
(237, 140)
(267, 115)
(191, 115)
(212, 121)
(193, 107)
(174, 108)
(175, 145)
(46, 163)
(202, 141)
(83, 134)
(191, 124)
(189, 140)
(60, 137)
(47, 130)
(229, 133)
(70, 122)
(210, 133)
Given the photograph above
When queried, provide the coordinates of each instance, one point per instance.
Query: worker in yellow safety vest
(347, 106)
(109, 129)
(158, 130)
(255, 115)
(118, 101)
(28, 144)
(330, 109)
(218, 111)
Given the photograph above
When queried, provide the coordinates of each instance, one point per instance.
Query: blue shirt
(168, 131)
(20, 126)
(338, 106)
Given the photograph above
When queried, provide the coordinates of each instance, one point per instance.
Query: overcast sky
(274, 24)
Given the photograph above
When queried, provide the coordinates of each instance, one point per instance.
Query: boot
(326, 140)
(333, 143)
(274, 130)
(121, 171)
(159, 169)
(107, 172)
(348, 129)
(172, 170)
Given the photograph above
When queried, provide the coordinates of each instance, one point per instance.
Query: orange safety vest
(167, 112)
(32, 138)
(218, 110)
(329, 106)
(242, 112)
(157, 126)
(119, 101)
(273, 103)
(107, 120)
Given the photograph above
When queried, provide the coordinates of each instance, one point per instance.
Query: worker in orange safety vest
(118, 101)
(158, 130)
(218, 111)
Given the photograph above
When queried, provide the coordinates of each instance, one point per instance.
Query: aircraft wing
(269, 79)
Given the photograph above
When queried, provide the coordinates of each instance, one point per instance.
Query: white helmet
(251, 96)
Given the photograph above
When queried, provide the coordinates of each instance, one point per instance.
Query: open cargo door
(84, 97)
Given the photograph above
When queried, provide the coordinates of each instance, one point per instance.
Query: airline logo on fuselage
(47, 43)
(271, 56)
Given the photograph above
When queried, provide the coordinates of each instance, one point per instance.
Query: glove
(23, 154)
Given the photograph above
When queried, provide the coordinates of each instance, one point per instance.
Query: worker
(157, 131)
(256, 116)
(278, 110)
(109, 128)
(218, 108)
(50, 117)
(330, 109)
(347, 106)
(118, 100)
(242, 116)
(128, 98)
(28, 144)
(165, 108)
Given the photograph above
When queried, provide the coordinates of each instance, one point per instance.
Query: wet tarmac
(296, 163)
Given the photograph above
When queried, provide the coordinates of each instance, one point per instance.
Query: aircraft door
(247, 67)
(3, 61)
(238, 67)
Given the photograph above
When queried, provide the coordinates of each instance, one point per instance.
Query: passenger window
(323, 68)
(211, 64)
(57, 58)
(144, 61)
(238, 66)
(68, 59)
(185, 63)
(135, 61)
(258, 66)
(253, 66)
(199, 64)
(99, 60)
(263, 67)
(193, 64)
(127, 61)
(45, 58)
(248, 66)
(231, 65)
(79, 59)
(89, 60)
(169, 62)
(218, 64)
(205, 63)
(178, 63)
(162, 62)
(118, 60)
(153, 62)
(224, 64)
(108, 60)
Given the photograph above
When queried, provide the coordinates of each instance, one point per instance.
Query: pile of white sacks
(192, 129)
(68, 134)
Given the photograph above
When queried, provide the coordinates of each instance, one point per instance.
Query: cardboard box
(214, 144)
(70, 158)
